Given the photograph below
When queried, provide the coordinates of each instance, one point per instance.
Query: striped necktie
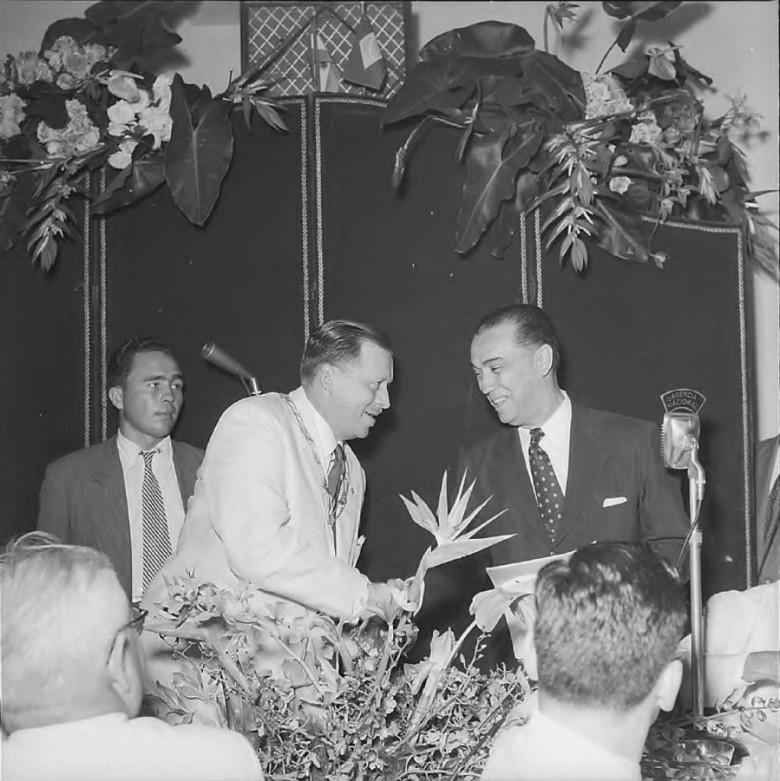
(156, 538)
(548, 490)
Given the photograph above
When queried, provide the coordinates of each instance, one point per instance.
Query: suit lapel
(113, 524)
(515, 484)
(587, 458)
(185, 474)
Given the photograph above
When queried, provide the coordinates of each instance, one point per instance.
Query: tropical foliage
(596, 151)
(346, 704)
(89, 98)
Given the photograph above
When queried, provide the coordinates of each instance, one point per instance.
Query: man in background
(72, 672)
(127, 496)
(608, 623)
(277, 502)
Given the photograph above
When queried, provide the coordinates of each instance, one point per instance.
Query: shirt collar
(556, 428)
(318, 428)
(129, 451)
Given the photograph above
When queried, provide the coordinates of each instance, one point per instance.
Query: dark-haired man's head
(70, 642)
(146, 386)
(515, 356)
(346, 370)
(608, 625)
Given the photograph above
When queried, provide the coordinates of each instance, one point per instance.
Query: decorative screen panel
(266, 28)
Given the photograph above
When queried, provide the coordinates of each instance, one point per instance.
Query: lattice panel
(269, 26)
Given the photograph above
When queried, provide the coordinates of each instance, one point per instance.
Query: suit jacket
(611, 457)
(260, 515)
(766, 454)
(83, 500)
(617, 489)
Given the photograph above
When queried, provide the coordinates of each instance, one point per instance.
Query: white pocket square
(614, 500)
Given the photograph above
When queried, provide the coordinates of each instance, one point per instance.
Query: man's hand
(388, 599)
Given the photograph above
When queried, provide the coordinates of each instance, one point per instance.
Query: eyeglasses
(137, 621)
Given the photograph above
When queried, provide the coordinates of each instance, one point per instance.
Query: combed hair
(532, 327)
(120, 362)
(338, 343)
(48, 607)
(609, 620)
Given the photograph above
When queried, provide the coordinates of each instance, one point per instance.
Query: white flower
(161, 90)
(11, 115)
(66, 81)
(120, 116)
(646, 131)
(30, 67)
(158, 122)
(124, 155)
(604, 96)
(77, 137)
(123, 85)
(619, 184)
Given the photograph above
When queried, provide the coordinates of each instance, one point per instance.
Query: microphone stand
(696, 481)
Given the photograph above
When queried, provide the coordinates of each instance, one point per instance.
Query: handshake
(387, 599)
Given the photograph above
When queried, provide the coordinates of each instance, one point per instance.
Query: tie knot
(148, 456)
(536, 435)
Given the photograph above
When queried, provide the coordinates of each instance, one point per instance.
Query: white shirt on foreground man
(72, 680)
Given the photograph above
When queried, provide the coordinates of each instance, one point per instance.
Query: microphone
(680, 437)
(681, 432)
(219, 358)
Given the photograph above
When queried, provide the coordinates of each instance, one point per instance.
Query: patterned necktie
(548, 491)
(156, 538)
(336, 473)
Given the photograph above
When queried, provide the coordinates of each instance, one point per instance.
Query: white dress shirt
(318, 428)
(544, 750)
(165, 472)
(555, 442)
(115, 748)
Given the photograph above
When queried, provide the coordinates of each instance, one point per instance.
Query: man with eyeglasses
(72, 672)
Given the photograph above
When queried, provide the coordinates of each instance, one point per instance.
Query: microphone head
(679, 438)
(218, 357)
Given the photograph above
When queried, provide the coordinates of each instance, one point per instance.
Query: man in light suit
(767, 478)
(95, 496)
(267, 508)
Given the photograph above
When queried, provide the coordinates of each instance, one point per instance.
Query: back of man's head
(63, 656)
(337, 342)
(609, 622)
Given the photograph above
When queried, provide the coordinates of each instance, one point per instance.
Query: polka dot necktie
(156, 537)
(548, 491)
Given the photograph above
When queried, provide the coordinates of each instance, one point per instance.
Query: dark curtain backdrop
(309, 227)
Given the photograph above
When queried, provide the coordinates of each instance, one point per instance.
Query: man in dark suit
(567, 475)
(127, 496)
(564, 475)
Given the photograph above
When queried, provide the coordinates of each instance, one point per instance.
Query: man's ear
(325, 377)
(544, 359)
(668, 685)
(116, 396)
(125, 673)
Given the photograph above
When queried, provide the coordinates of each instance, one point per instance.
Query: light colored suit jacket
(83, 500)
(766, 454)
(260, 515)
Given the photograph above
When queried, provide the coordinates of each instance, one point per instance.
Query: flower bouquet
(597, 151)
(90, 98)
(346, 705)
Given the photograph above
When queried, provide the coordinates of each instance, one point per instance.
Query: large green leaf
(650, 10)
(560, 84)
(430, 86)
(492, 167)
(197, 156)
(623, 233)
(484, 39)
(138, 180)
